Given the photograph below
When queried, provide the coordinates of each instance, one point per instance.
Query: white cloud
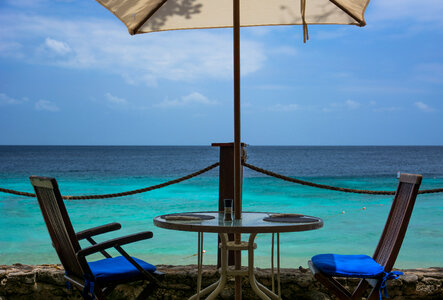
(373, 105)
(46, 106)
(336, 106)
(57, 46)
(423, 107)
(115, 100)
(197, 98)
(6, 100)
(193, 98)
(250, 63)
(106, 45)
(284, 107)
(351, 104)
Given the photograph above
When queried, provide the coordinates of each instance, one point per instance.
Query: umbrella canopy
(143, 16)
(157, 15)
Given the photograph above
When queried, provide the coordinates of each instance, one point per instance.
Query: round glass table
(251, 223)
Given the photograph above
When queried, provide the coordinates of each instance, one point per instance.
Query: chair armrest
(97, 230)
(115, 242)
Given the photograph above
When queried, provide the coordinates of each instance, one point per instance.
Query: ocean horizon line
(201, 145)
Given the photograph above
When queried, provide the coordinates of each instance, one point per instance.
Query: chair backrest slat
(397, 223)
(58, 224)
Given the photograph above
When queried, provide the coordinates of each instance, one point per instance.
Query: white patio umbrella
(143, 16)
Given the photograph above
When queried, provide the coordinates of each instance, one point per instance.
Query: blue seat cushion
(360, 266)
(117, 269)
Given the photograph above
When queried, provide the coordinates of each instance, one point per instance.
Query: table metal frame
(225, 245)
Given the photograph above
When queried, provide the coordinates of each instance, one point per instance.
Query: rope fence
(329, 187)
(104, 196)
(252, 167)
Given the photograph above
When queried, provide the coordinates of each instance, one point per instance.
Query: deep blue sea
(84, 170)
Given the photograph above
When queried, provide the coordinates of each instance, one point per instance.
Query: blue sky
(70, 74)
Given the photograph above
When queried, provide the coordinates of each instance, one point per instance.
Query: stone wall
(46, 282)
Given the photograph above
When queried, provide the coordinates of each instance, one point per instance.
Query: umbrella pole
(237, 140)
(237, 129)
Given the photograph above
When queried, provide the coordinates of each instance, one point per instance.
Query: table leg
(258, 288)
(206, 290)
(199, 263)
(278, 265)
(238, 279)
(272, 263)
(215, 288)
(268, 292)
(223, 267)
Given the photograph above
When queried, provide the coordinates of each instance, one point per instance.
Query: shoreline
(46, 281)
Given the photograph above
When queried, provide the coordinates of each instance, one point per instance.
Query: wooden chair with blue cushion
(375, 270)
(97, 278)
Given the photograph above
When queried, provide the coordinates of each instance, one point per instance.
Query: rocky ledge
(46, 282)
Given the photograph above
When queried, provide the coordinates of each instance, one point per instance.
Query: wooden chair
(385, 254)
(98, 278)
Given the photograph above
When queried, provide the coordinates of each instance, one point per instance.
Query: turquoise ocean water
(97, 170)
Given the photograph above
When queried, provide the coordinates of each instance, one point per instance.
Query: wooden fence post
(226, 185)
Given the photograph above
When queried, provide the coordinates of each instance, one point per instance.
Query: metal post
(237, 115)
(237, 140)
